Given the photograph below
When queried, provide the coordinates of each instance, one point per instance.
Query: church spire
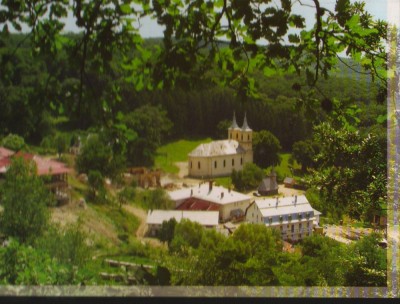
(234, 123)
(245, 126)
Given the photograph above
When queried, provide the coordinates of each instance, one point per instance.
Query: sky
(380, 9)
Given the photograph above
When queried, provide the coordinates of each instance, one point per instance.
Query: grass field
(176, 151)
(283, 170)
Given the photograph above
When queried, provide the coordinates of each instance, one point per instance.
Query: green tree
(266, 147)
(126, 195)
(62, 143)
(25, 199)
(68, 245)
(152, 125)
(222, 129)
(186, 234)
(166, 232)
(97, 155)
(248, 178)
(367, 265)
(25, 265)
(13, 142)
(304, 153)
(159, 199)
(351, 170)
(97, 190)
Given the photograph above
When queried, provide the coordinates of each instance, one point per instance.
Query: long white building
(292, 215)
(155, 218)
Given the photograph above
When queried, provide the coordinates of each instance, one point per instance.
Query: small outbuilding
(269, 185)
(289, 182)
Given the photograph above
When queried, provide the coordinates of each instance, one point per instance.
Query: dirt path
(141, 215)
(142, 229)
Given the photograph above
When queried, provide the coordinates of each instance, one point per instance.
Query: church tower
(234, 130)
(246, 140)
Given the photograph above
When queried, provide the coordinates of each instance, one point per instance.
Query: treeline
(253, 256)
(35, 90)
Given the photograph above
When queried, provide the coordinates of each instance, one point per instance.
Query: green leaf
(126, 9)
(353, 21)
(381, 119)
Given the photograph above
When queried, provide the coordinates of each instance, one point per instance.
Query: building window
(237, 136)
(281, 218)
(224, 163)
(215, 164)
(281, 227)
(191, 165)
(241, 160)
(270, 220)
(233, 162)
(292, 228)
(299, 235)
(289, 217)
(300, 216)
(242, 137)
(248, 137)
(230, 136)
(308, 224)
(198, 165)
(252, 214)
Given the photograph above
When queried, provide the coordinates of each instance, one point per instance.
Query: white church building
(220, 157)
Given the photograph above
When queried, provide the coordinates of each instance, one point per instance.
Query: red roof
(198, 204)
(44, 166)
(5, 153)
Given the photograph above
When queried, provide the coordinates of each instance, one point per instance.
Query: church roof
(234, 123)
(218, 148)
(245, 126)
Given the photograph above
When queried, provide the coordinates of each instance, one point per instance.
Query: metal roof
(218, 194)
(204, 218)
(44, 166)
(5, 152)
(218, 148)
(284, 205)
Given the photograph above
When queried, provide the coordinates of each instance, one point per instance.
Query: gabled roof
(218, 194)
(218, 148)
(204, 218)
(44, 166)
(5, 153)
(267, 184)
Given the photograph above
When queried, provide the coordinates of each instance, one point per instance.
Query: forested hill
(35, 90)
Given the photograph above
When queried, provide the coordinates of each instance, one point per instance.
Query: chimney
(210, 183)
(222, 195)
(277, 201)
(191, 192)
(229, 189)
(295, 199)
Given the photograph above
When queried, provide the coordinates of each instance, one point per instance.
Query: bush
(248, 178)
(13, 142)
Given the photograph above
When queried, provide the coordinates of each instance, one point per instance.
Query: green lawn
(176, 151)
(283, 170)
